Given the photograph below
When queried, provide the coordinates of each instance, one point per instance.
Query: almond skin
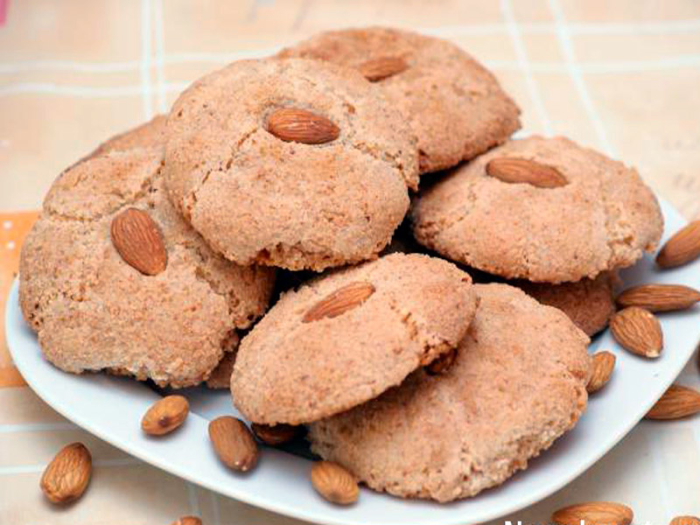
(685, 520)
(603, 364)
(188, 520)
(638, 331)
(300, 125)
(68, 475)
(515, 170)
(139, 241)
(678, 402)
(234, 443)
(659, 297)
(682, 248)
(384, 67)
(165, 415)
(594, 513)
(275, 435)
(342, 300)
(334, 483)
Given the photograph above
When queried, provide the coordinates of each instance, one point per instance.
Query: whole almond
(275, 435)
(334, 483)
(165, 415)
(594, 513)
(678, 402)
(603, 364)
(659, 297)
(234, 443)
(685, 520)
(384, 67)
(639, 331)
(300, 125)
(68, 475)
(188, 520)
(139, 241)
(342, 300)
(443, 363)
(515, 170)
(682, 248)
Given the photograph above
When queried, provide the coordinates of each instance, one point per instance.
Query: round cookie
(603, 218)
(455, 106)
(94, 311)
(261, 199)
(345, 338)
(518, 382)
(589, 303)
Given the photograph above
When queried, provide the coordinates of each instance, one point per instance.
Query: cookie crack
(146, 186)
(373, 150)
(192, 197)
(432, 346)
(431, 230)
(376, 152)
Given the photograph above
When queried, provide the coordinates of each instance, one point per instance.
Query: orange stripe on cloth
(13, 229)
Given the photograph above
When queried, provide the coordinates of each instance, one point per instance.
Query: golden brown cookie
(517, 384)
(589, 303)
(455, 106)
(306, 167)
(596, 214)
(113, 279)
(346, 337)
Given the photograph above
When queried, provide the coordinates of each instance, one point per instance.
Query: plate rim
(12, 325)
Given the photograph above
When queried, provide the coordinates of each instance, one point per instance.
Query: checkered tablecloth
(622, 76)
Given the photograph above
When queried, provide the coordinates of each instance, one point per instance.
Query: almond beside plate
(112, 408)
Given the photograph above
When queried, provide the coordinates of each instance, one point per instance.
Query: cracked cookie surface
(93, 311)
(294, 367)
(259, 199)
(518, 383)
(604, 218)
(455, 107)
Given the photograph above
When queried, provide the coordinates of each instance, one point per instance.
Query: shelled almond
(165, 415)
(637, 330)
(335, 483)
(678, 402)
(68, 475)
(594, 513)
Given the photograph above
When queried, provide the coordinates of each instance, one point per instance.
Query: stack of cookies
(157, 254)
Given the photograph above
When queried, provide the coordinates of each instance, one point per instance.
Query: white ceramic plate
(111, 408)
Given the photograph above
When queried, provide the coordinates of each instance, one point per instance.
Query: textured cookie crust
(517, 384)
(92, 311)
(456, 108)
(589, 303)
(258, 199)
(604, 218)
(291, 371)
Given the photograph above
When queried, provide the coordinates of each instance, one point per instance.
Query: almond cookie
(544, 210)
(589, 303)
(518, 382)
(344, 338)
(306, 167)
(113, 279)
(456, 107)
